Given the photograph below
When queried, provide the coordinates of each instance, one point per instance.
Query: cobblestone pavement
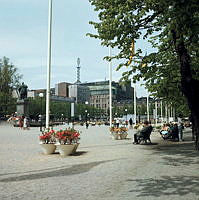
(102, 168)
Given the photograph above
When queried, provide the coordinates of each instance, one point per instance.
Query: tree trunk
(193, 132)
(189, 87)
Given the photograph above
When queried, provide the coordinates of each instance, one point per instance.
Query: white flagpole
(166, 112)
(174, 116)
(48, 64)
(135, 103)
(147, 106)
(161, 117)
(110, 87)
(156, 113)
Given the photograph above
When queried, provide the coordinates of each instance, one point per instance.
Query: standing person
(28, 123)
(117, 123)
(21, 122)
(25, 123)
(174, 132)
(180, 131)
(131, 122)
(87, 124)
(126, 122)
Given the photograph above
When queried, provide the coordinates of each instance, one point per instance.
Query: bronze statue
(23, 91)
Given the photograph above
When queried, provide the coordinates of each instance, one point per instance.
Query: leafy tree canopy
(167, 25)
(9, 79)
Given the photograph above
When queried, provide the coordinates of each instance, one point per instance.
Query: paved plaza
(102, 168)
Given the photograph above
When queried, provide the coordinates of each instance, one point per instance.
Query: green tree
(9, 79)
(172, 27)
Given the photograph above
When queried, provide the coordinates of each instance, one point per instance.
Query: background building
(99, 93)
(62, 89)
(95, 93)
(80, 93)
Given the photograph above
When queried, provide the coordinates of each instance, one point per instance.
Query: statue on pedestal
(22, 102)
(23, 90)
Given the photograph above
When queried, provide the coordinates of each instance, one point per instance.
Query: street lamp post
(86, 103)
(126, 117)
(86, 115)
(86, 118)
(41, 95)
(40, 120)
(62, 118)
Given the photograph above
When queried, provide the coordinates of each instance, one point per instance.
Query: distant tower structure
(78, 71)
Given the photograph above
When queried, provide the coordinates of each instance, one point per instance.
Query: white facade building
(79, 92)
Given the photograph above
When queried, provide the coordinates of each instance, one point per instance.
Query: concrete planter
(48, 148)
(75, 148)
(115, 135)
(66, 149)
(123, 136)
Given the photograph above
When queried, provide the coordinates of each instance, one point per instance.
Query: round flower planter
(48, 148)
(123, 136)
(65, 149)
(115, 135)
(75, 148)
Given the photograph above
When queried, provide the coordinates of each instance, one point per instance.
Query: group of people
(172, 131)
(117, 123)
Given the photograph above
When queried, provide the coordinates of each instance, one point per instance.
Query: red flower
(67, 136)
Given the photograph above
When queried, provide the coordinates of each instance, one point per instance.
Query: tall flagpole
(147, 106)
(110, 87)
(156, 113)
(135, 103)
(166, 112)
(161, 113)
(48, 64)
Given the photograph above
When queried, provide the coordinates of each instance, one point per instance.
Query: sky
(24, 40)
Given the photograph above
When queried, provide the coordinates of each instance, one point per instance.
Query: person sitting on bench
(144, 134)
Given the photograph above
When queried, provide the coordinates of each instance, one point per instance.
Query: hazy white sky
(23, 39)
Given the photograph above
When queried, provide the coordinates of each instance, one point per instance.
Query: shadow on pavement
(79, 153)
(165, 186)
(74, 169)
(152, 143)
(108, 145)
(177, 154)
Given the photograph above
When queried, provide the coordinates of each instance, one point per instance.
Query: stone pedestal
(22, 107)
